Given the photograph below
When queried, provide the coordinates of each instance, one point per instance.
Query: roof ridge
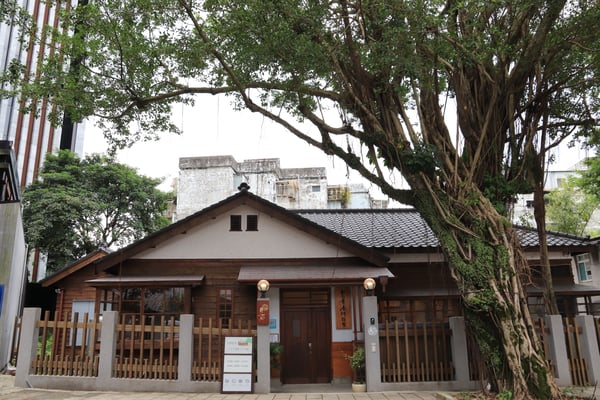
(352, 210)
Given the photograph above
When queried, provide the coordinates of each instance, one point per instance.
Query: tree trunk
(487, 264)
(539, 213)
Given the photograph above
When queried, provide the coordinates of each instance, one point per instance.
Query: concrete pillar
(27, 345)
(186, 348)
(460, 353)
(108, 345)
(263, 360)
(557, 349)
(589, 347)
(372, 356)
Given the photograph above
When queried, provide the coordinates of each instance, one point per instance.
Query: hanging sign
(262, 312)
(342, 308)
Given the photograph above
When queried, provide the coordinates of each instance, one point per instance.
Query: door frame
(323, 334)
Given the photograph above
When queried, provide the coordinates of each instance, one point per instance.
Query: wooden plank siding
(203, 299)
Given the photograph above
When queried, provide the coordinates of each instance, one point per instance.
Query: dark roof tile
(404, 228)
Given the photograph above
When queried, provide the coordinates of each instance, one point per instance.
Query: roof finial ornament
(244, 187)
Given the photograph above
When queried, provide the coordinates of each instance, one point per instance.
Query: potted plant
(276, 349)
(357, 363)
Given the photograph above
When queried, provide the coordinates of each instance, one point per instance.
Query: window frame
(252, 223)
(584, 268)
(235, 223)
(227, 308)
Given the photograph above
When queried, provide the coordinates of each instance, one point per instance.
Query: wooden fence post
(28, 345)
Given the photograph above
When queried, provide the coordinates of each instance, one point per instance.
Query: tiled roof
(404, 228)
(376, 228)
(529, 237)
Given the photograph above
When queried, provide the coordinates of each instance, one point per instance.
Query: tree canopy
(374, 77)
(78, 205)
(570, 208)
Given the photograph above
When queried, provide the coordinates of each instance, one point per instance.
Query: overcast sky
(213, 128)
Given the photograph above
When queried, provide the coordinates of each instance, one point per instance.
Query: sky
(211, 127)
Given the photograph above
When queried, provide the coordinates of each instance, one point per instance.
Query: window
(315, 188)
(287, 188)
(252, 222)
(225, 306)
(584, 265)
(81, 308)
(235, 223)
(135, 302)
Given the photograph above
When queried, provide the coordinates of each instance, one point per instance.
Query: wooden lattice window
(225, 306)
(235, 223)
(252, 223)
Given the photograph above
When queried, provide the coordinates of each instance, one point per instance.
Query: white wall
(13, 273)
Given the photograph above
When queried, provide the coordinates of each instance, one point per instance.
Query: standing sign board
(237, 365)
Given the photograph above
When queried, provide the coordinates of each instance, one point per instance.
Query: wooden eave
(74, 267)
(243, 198)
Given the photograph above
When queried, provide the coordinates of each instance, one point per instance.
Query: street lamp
(369, 285)
(263, 287)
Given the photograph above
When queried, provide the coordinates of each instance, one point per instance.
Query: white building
(204, 181)
(25, 139)
(32, 136)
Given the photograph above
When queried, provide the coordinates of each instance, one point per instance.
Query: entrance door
(306, 336)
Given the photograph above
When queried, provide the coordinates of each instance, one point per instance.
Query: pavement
(8, 391)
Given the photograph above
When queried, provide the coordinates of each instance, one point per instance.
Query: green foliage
(505, 395)
(275, 350)
(369, 76)
(569, 208)
(357, 363)
(589, 179)
(45, 348)
(80, 204)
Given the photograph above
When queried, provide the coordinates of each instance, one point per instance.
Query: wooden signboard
(237, 365)
(343, 310)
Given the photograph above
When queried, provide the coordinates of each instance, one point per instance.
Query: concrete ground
(287, 392)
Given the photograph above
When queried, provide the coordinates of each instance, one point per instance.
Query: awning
(573, 289)
(147, 280)
(316, 273)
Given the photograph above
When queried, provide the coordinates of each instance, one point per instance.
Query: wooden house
(316, 261)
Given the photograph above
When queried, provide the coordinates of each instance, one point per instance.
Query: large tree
(374, 77)
(78, 205)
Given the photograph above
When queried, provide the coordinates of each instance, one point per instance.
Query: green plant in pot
(357, 363)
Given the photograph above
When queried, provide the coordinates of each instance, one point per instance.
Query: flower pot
(359, 387)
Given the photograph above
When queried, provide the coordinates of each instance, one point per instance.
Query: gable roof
(75, 266)
(244, 198)
(405, 228)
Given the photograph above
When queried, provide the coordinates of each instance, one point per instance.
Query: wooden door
(306, 339)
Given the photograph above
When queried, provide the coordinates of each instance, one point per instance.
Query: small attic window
(252, 222)
(235, 223)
